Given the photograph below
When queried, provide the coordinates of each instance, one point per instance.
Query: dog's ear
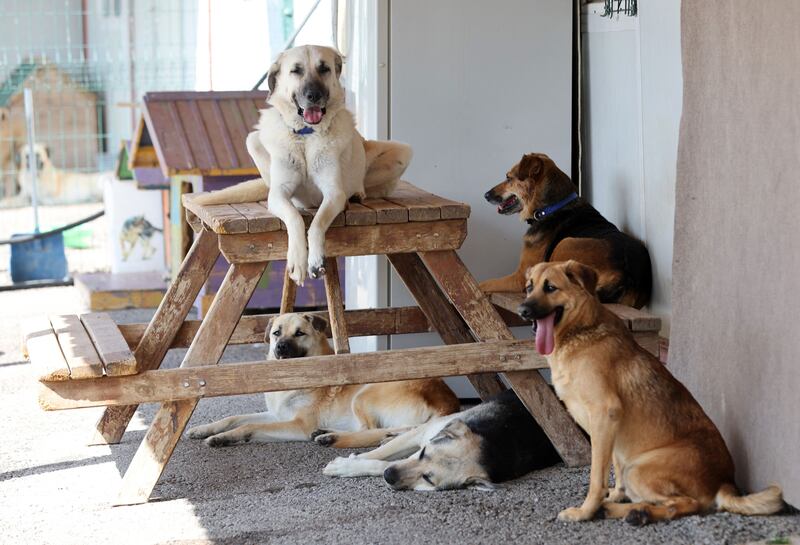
(530, 167)
(269, 328)
(582, 275)
(338, 61)
(479, 483)
(317, 322)
(453, 430)
(272, 75)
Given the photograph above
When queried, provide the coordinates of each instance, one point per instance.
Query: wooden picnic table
(89, 361)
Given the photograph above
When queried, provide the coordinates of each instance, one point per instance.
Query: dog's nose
(313, 95)
(391, 475)
(282, 349)
(525, 312)
(489, 195)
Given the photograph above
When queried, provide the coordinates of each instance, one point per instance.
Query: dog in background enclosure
(56, 186)
(310, 155)
(493, 442)
(351, 416)
(670, 460)
(564, 226)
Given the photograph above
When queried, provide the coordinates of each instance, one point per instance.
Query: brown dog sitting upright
(669, 458)
(564, 226)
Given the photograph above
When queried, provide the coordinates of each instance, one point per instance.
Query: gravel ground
(55, 489)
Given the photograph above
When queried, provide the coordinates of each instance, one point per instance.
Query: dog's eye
(427, 477)
(276, 333)
(299, 333)
(529, 288)
(549, 288)
(297, 70)
(323, 69)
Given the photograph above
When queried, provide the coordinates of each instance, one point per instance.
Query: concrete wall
(473, 86)
(632, 107)
(735, 340)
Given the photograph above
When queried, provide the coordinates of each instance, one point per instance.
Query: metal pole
(289, 42)
(33, 164)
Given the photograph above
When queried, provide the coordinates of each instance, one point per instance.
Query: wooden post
(484, 321)
(206, 349)
(333, 292)
(441, 314)
(163, 327)
(289, 293)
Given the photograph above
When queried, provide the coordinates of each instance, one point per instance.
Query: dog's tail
(248, 191)
(385, 166)
(767, 502)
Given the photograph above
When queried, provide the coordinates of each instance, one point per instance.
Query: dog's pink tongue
(312, 115)
(545, 339)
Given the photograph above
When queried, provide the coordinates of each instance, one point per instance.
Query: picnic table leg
(484, 321)
(333, 292)
(441, 314)
(206, 349)
(163, 327)
(289, 293)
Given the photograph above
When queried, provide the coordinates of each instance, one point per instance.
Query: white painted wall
(632, 92)
(473, 86)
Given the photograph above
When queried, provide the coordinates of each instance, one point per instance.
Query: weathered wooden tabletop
(407, 203)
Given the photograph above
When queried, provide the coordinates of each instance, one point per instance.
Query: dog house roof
(197, 133)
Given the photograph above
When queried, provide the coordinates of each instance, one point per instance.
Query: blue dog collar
(304, 131)
(540, 213)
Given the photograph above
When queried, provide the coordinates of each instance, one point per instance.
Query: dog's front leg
(279, 203)
(604, 423)
(333, 202)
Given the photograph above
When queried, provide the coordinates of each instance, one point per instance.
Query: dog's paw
(341, 467)
(326, 439)
(198, 432)
(316, 266)
(316, 433)
(221, 440)
(296, 264)
(615, 496)
(358, 196)
(637, 517)
(574, 514)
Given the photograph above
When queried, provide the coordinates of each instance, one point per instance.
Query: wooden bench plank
(259, 219)
(221, 218)
(110, 344)
(251, 329)
(418, 202)
(43, 350)
(636, 320)
(309, 372)
(353, 240)
(358, 214)
(77, 347)
(386, 211)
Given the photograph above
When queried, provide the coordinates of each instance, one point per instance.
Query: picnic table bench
(88, 360)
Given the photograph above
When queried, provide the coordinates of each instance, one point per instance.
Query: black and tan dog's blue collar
(541, 213)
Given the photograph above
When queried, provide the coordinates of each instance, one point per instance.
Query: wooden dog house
(66, 113)
(197, 141)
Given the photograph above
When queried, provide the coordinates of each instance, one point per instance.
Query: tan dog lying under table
(360, 415)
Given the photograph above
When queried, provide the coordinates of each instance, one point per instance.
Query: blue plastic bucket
(40, 259)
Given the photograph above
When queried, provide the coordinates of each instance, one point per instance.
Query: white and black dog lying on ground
(493, 442)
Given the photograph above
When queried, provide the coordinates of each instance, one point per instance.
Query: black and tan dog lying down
(493, 442)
